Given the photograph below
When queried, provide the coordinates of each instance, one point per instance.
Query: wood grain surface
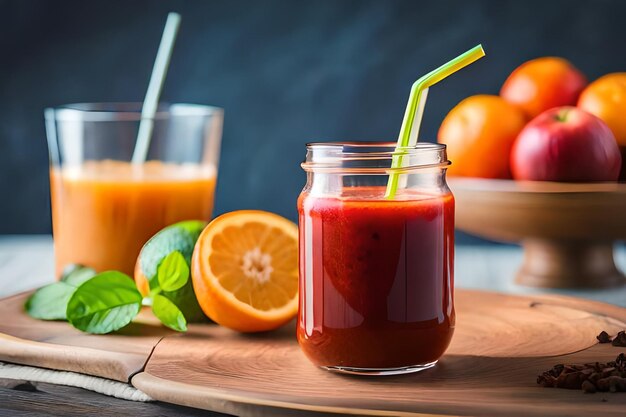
(500, 346)
(57, 345)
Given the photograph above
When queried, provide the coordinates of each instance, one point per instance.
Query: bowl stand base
(568, 264)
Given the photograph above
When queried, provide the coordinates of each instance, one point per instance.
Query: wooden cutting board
(57, 345)
(501, 344)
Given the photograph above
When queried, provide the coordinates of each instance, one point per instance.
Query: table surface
(26, 262)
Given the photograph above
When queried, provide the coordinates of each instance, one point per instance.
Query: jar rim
(374, 157)
(375, 144)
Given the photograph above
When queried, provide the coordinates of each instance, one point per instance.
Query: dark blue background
(286, 72)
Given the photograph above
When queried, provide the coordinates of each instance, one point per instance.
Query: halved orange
(245, 270)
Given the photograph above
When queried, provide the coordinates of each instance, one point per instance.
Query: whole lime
(179, 237)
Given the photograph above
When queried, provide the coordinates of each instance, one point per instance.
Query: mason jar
(376, 267)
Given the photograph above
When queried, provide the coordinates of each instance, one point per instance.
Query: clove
(603, 337)
(620, 339)
(590, 377)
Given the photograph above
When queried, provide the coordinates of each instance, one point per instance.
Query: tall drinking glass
(104, 207)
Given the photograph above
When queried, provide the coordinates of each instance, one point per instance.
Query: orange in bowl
(543, 83)
(479, 133)
(606, 99)
(245, 270)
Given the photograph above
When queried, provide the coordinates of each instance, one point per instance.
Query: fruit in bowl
(479, 133)
(606, 98)
(567, 229)
(566, 144)
(543, 83)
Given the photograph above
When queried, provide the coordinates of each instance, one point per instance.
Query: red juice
(376, 278)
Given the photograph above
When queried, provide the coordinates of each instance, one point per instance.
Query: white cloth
(93, 383)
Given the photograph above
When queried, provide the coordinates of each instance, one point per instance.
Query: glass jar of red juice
(376, 271)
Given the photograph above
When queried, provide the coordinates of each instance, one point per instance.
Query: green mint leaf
(77, 274)
(105, 303)
(168, 313)
(50, 302)
(173, 272)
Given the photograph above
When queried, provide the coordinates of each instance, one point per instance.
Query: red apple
(566, 144)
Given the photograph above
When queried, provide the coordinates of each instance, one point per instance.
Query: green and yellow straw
(415, 109)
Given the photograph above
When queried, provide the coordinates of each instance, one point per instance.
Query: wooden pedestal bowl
(567, 230)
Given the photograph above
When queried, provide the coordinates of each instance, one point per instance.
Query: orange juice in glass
(104, 207)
